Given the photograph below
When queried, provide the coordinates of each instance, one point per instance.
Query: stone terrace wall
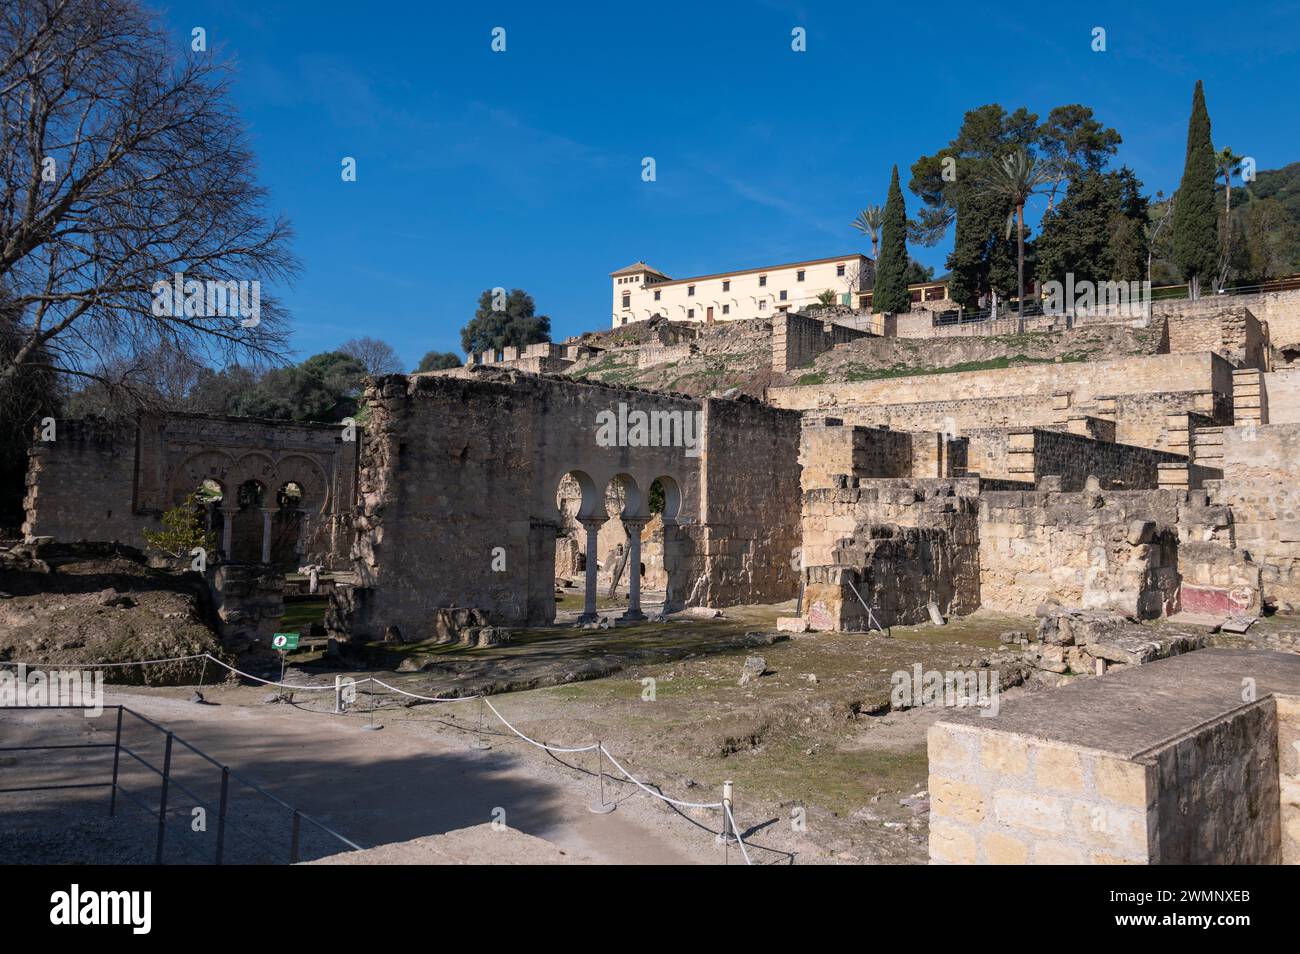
(1233, 333)
(1086, 382)
(1262, 452)
(1279, 310)
(1075, 458)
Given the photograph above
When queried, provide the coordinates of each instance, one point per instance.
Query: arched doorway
(247, 531)
(287, 526)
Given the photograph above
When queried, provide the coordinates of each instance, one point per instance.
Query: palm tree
(868, 222)
(1229, 163)
(1014, 179)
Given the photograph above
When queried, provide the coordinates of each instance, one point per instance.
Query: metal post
(601, 807)
(480, 743)
(728, 832)
(293, 842)
(162, 801)
(338, 694)
(117, 754)
(221, 813)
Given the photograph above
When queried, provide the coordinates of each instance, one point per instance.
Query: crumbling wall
(81, 485)
(456, 467)
(113, 482)
(1113, 550)
(797, 340)
(901, 544)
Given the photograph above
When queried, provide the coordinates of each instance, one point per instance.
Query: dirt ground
(823, 771)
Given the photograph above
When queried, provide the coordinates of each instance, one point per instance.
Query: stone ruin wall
(455, 466)
(84, 482)
(1279, 311)
(114, 481)
(900, 543)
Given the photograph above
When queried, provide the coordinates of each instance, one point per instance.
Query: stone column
(227, 530)
(634, 526)
(300, 548)
(266, 534)
(592, 526)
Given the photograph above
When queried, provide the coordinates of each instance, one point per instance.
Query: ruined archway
(246, 537)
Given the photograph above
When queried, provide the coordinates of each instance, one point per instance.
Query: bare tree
(378, 356)
(124, 174)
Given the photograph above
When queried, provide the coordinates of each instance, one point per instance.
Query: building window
(864, 301)
(627, 300)
(762, 306)
(935, 293)
(916, 294)
(726, 309)
(798, 276)
(762, 281)
(726, 286)
(657, 294)
(783, 294)
(839, 271)
(690, 291)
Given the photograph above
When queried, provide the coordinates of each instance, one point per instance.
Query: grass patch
(300, 614)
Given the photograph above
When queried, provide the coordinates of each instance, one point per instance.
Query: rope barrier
(540, 745)
(729, 820)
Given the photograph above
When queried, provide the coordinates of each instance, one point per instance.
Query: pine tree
(1196, 221)
(890, 291)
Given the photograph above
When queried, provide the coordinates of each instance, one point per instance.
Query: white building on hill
(642, 292)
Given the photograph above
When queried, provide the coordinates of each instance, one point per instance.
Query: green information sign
(284, 641)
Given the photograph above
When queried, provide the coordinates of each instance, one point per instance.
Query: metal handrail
(165, 773)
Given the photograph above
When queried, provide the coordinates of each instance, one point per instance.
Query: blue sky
(523, 168)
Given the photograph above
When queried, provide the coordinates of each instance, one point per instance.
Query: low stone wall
(1074, 458)
(897, 572)
(1279, 310)
(1093, 774)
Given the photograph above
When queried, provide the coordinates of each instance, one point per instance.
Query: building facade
(641, 292)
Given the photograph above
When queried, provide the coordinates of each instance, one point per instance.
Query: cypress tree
(1196, 221)
(890, 291)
